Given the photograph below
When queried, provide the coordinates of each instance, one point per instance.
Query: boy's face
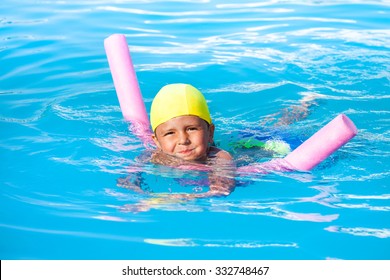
(185, 137)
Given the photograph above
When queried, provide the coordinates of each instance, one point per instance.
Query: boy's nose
(183, 139)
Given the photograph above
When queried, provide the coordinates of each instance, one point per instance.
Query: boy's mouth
(186, 152)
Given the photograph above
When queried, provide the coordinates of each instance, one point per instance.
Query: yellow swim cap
(176, 100)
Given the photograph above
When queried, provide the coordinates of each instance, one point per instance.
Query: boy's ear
(155, 140)
(211, 133)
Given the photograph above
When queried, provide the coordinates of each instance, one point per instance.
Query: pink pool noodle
(311, 152)
(322, 144)
(125, 80)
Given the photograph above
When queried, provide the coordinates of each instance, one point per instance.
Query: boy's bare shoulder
(219, 153)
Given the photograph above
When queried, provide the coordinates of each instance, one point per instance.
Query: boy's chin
(194, 158)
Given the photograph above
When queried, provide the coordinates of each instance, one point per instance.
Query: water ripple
(248, 19)
(84, 234)
(188, 242)
(169, 202)
(361, 231)
(305, 3)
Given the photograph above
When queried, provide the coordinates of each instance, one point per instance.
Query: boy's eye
(192, 128)
(168, 133)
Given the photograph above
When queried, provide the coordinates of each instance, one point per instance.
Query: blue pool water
(65, 149)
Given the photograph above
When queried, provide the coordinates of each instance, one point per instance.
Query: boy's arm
(293, 113)
(131, 182)
(222, 174)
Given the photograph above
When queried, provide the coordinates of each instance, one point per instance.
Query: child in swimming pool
(184, 135)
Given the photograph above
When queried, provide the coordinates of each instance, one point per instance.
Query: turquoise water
(65, 149)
